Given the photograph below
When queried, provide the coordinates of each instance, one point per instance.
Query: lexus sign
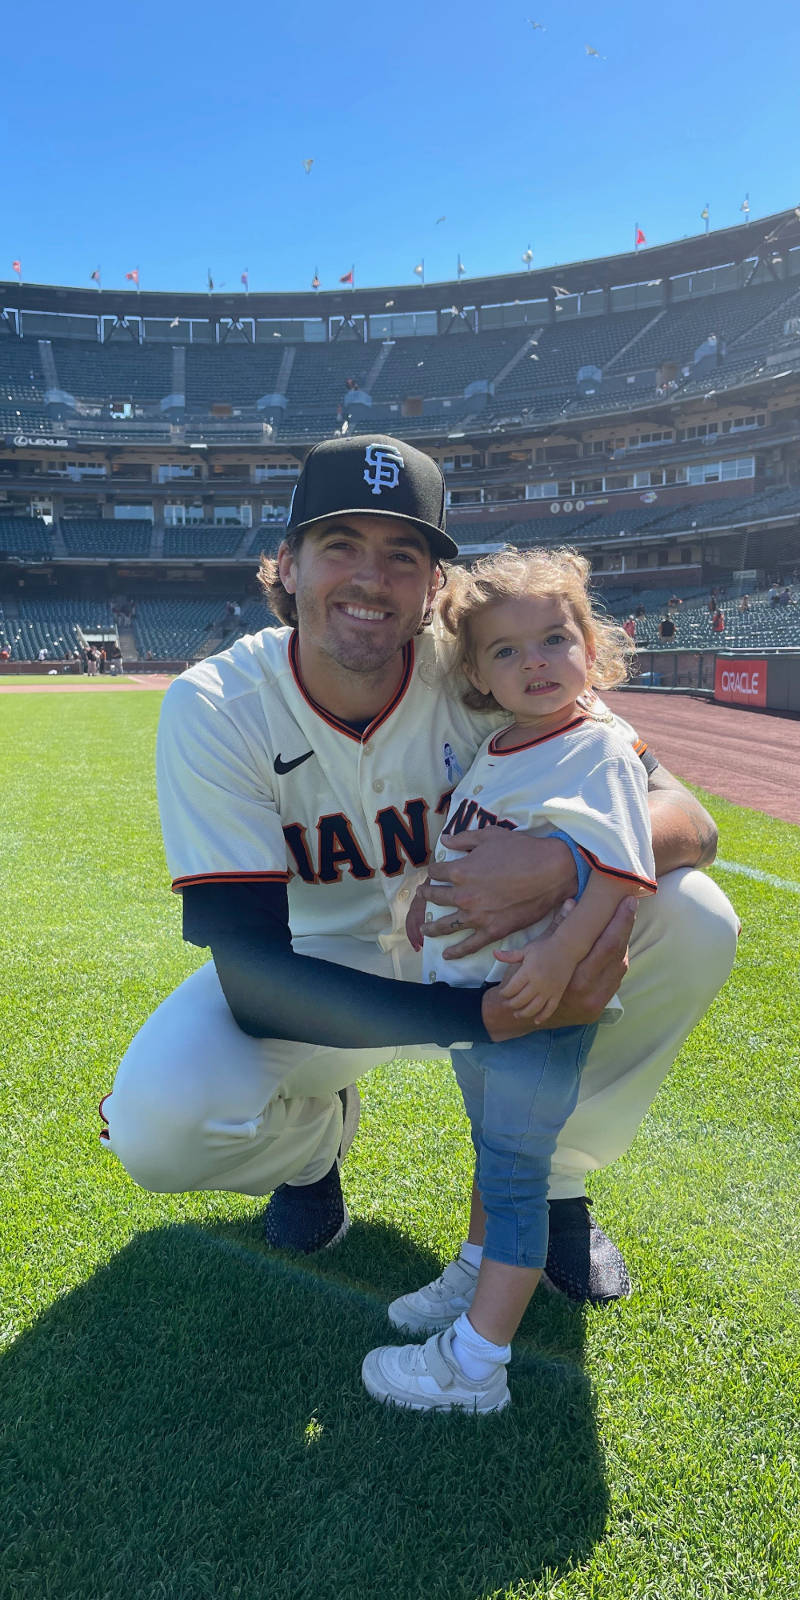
(741, 683)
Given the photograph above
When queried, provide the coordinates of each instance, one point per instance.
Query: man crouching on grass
(303, 779)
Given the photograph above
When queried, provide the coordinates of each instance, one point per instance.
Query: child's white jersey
(586, 780)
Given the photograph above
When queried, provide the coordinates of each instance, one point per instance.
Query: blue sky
(172, 136)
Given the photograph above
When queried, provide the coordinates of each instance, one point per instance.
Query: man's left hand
(503, 881)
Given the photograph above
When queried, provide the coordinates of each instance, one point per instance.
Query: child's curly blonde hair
(512, 575)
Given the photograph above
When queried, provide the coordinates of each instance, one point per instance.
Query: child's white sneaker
(427, 1377)
(437, 1304)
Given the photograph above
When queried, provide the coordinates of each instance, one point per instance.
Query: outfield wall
(760, 680)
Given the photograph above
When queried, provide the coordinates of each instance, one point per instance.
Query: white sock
(471, 1253)
(476, 1356)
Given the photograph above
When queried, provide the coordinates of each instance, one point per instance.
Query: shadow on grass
(191, 1422)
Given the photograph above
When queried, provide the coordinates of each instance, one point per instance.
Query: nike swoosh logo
(282, 766)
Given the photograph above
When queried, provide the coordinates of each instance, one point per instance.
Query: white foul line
(762, 877)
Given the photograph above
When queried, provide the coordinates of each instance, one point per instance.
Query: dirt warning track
(745, 756)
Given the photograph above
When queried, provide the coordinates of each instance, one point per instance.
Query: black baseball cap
(372, 475)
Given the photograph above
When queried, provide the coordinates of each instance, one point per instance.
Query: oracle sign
(741, 683)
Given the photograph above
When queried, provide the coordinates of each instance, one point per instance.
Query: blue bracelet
(581, 864)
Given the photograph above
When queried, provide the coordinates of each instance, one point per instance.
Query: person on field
(527, 641)
(303, 783)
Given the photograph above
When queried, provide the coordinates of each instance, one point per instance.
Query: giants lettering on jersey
(469, 813)
(402, 839)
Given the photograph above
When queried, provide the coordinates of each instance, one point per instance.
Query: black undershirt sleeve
(274, 993)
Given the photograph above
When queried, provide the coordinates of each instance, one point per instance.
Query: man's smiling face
(362, 586)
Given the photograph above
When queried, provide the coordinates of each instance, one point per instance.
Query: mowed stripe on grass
(183, 1413)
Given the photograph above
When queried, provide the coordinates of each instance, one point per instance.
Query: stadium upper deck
(649, 398)
(586, 338)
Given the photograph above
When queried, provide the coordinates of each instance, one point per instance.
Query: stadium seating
(763, 627)
(44, 624)
(83, 537)
(266, 539)
(25, 536)
(120, 370)
(204, 543)
(234, 375)
(445, 365)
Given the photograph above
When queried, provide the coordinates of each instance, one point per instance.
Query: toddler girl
(524, 634)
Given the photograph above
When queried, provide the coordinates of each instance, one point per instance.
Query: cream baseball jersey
(257, 783)
(587, 780)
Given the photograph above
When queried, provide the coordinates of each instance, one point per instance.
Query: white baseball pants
(198, 1104)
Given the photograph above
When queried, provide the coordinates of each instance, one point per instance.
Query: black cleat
(582, 1263)
(308, 1218)
(313, 1216)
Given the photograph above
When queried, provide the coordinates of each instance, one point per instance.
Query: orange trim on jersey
(640, 747)
(337, 722)
(229, 877)
(617, 872)
(104, 1134)
(542, 738)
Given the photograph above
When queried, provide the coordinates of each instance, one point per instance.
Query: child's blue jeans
(518, 1096)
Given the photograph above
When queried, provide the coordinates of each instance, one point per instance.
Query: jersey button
(477, 788)
(378, 786)
(431, 977)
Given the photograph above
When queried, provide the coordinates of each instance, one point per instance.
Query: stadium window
(686, 555)
(133, 513)
(166, 473)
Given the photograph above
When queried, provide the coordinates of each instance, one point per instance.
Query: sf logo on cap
(386, 466)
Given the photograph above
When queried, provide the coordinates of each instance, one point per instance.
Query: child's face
(531, 655)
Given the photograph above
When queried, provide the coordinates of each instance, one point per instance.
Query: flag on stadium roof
(245, 279)
(420, 270)
(315, 280)
(94, 277)
(347, 277)
(16, 266)
(133, 277)
(638, 237)
(745, 207)
(705, 215)
(210, 281)
(460, 269)
(527, 256)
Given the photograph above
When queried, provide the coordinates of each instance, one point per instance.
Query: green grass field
(182, 1414)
